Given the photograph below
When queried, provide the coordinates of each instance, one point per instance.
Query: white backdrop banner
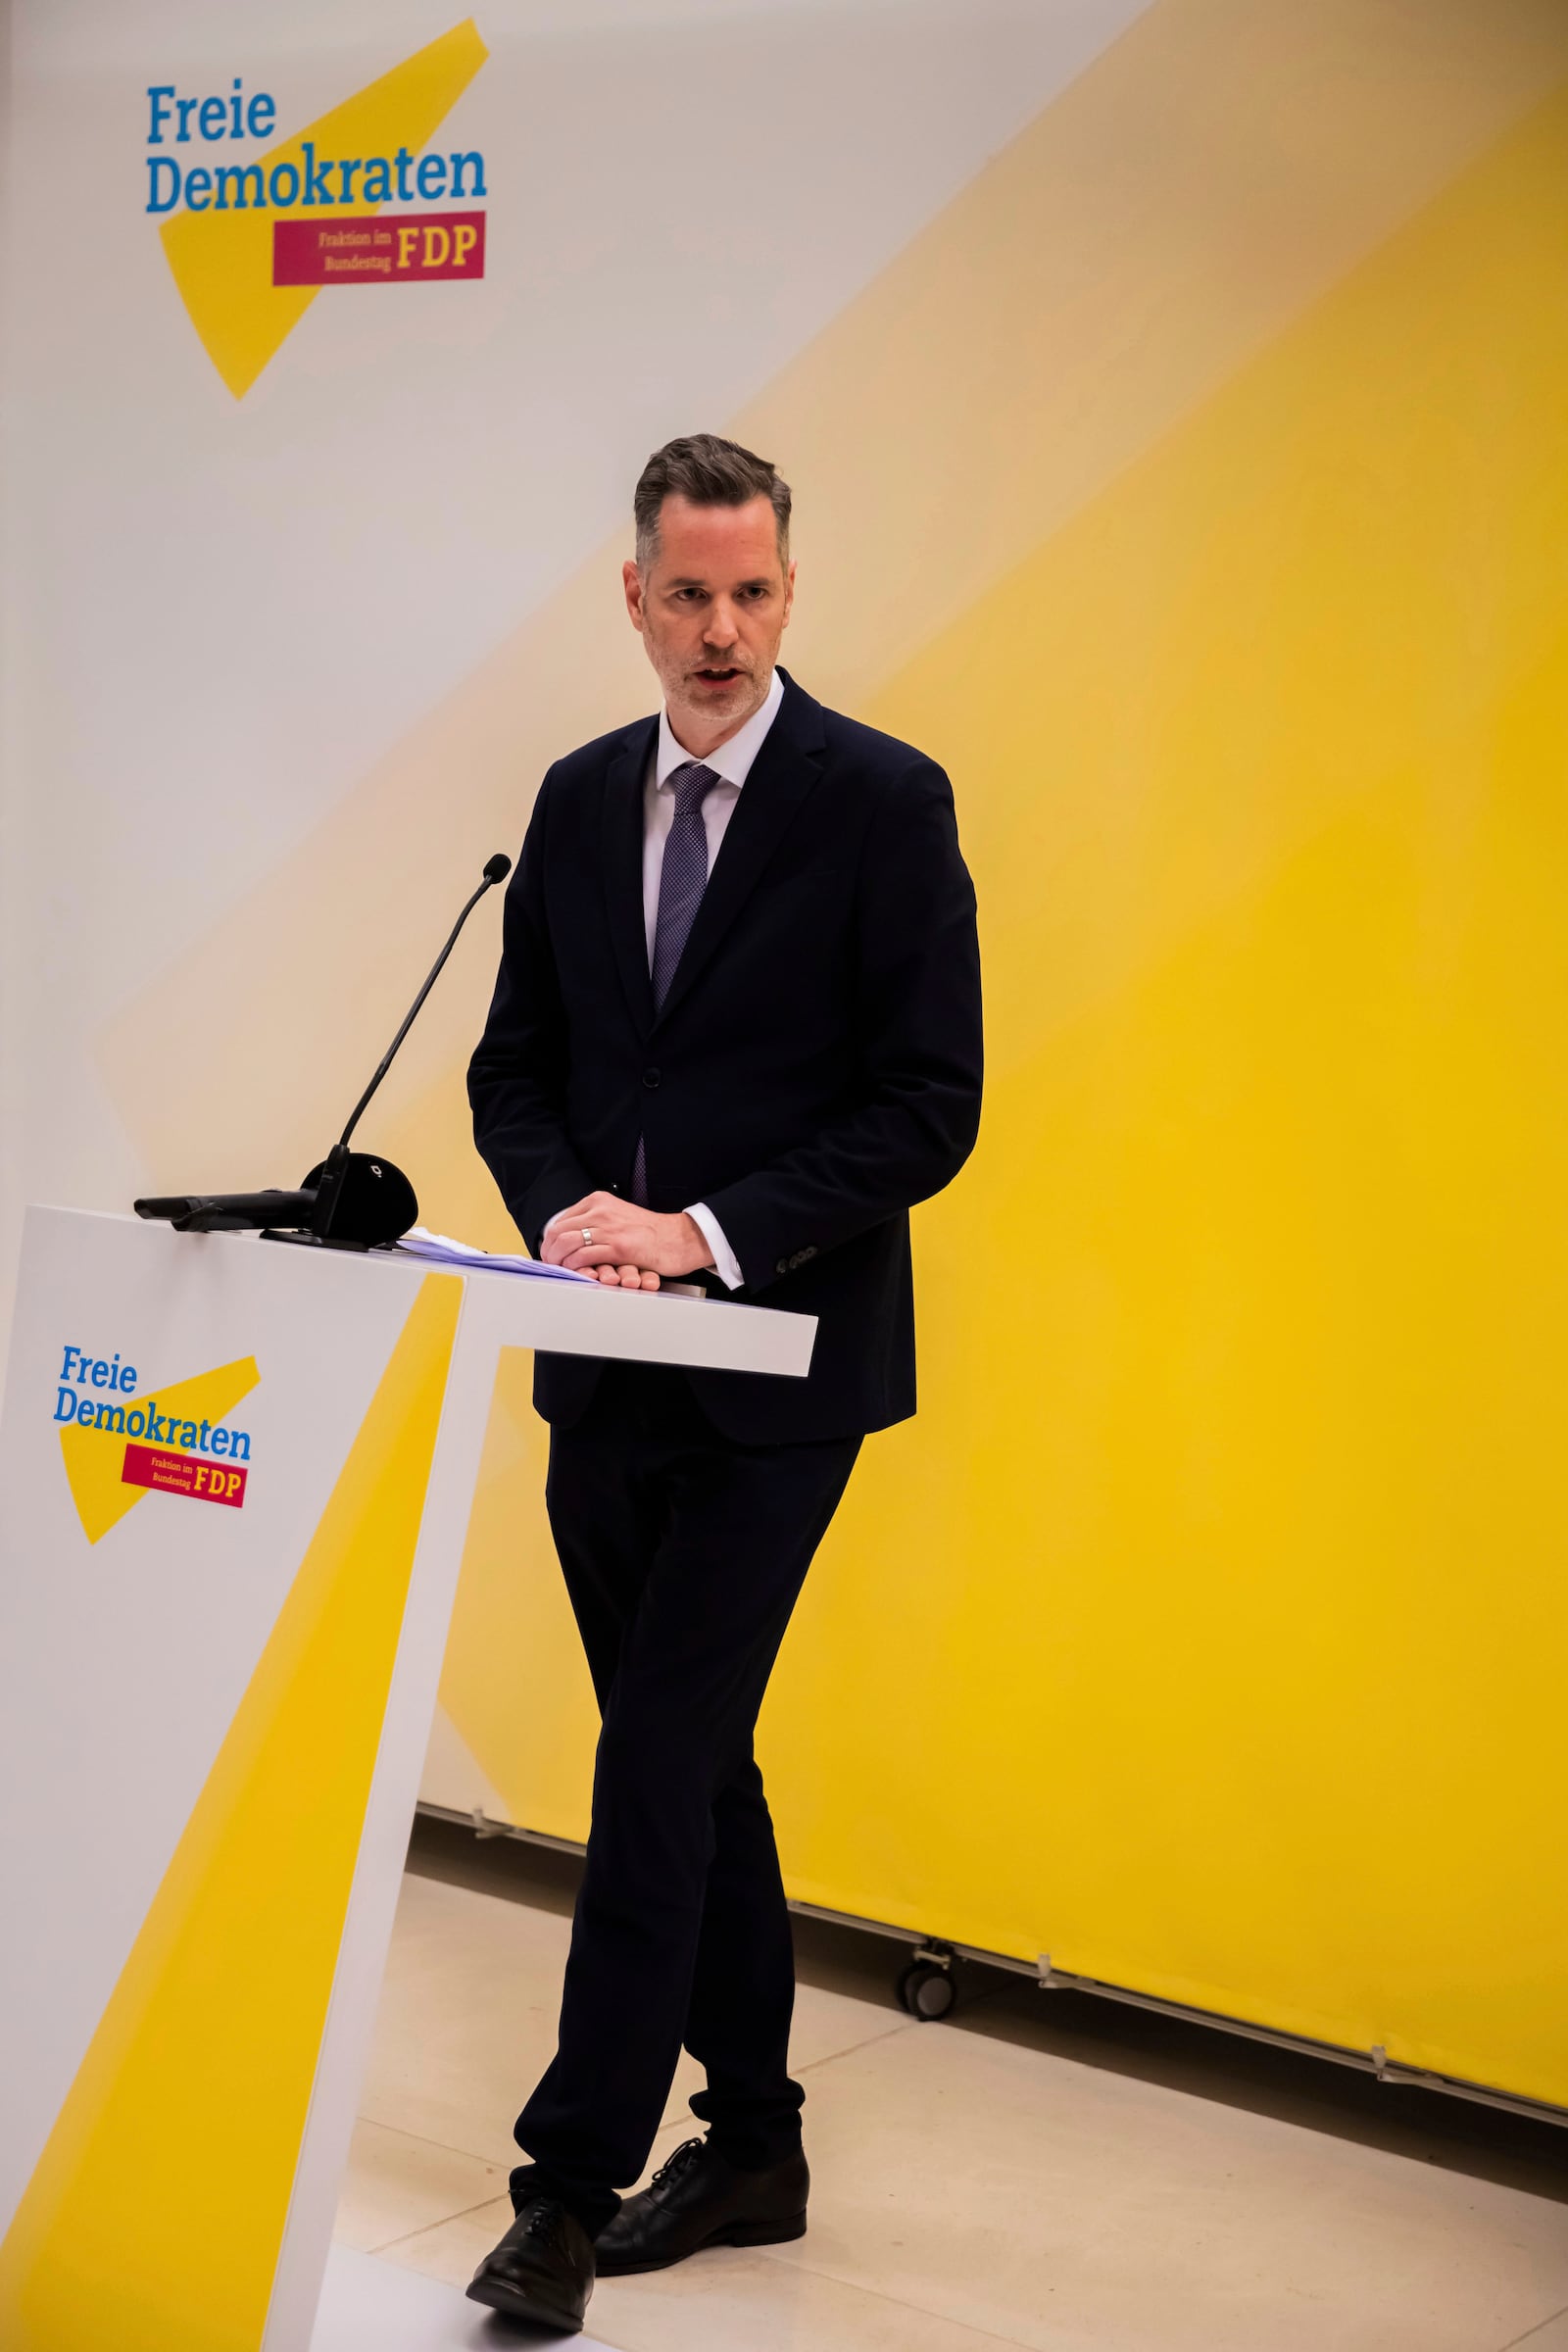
(339, 333)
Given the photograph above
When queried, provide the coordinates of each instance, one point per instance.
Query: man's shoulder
(588, 763)
(883, 768)
(851, 744)
(850, 740)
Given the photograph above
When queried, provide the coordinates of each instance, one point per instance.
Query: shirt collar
(733, 759)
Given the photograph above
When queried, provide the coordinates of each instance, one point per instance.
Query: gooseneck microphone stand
(350, 1200)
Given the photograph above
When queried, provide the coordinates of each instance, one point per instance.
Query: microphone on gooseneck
(496, 870)
(350, 1200)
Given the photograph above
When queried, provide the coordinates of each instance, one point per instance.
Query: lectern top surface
(501, 1309)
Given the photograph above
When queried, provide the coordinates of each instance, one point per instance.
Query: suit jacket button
(783, 1266)
(649, 1078)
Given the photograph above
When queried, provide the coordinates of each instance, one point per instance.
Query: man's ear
(789, 593)
(631, 581)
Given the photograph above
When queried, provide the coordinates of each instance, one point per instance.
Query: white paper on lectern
(439, 1249)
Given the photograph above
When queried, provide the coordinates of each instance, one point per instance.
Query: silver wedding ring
(586, 1235)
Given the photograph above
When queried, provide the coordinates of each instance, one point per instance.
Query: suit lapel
(623, 868)
(786, 769)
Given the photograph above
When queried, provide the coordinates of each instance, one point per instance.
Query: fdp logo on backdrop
(120, 1443)
(252, 238)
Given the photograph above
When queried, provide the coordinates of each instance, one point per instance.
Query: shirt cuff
(726, 1264)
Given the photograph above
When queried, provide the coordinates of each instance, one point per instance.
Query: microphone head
(374, 1202)
(498, 868)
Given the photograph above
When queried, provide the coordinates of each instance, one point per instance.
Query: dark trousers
(683, 1554)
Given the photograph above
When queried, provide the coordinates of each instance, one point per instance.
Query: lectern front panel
(213, 1468)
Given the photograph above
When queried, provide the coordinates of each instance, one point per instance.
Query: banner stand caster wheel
(927, 1990)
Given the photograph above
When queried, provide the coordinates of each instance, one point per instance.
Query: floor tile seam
(447, 2147)
(1549, 2320)
(924, 2310)
(853, 2049)
(678, 2123)
(410, 2238)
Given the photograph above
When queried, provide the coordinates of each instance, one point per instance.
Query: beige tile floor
(1041, 2171)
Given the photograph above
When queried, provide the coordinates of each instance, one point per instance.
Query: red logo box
(183, 1474)
(404, 249)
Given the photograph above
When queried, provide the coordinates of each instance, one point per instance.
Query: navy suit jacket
(814, 1069)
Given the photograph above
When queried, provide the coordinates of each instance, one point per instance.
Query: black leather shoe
(700, 2199)
(543, 2268)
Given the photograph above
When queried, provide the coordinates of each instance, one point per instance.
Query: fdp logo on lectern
(119, 1445)
(254, 227)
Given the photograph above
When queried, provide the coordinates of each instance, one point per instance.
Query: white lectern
(234, 1484)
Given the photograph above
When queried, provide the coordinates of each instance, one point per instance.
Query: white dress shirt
(733, 764)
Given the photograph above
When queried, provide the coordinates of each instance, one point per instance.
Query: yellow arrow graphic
(223, 261)
(95, 1457)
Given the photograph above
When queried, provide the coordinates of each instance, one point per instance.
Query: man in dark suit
(735, 1036)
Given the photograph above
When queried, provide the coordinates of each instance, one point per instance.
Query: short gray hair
(711, 473)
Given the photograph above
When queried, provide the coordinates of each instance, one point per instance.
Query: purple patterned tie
(683, 880)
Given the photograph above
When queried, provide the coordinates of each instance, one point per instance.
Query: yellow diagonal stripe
(223, 261)
(156, 2214)
(95, 1457)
